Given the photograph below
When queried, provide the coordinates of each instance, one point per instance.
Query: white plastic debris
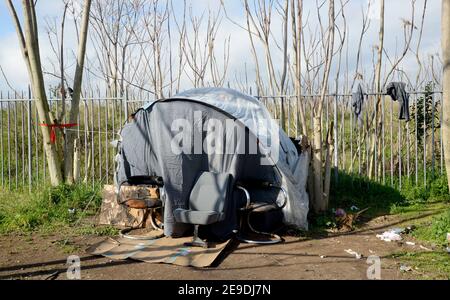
(405, 268)
(410, 243)
(354, 253)
(398, 230)
(391, 235)
(354, 208)
(71, 211)
(425, 248)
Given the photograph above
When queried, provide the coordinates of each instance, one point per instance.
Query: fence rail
(404, 150)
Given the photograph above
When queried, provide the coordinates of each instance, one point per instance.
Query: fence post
(1, 140)
(125, 104)
(9, 144)
(29, 139)
(336, 143)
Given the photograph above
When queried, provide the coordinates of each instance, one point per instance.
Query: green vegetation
(383, 199)
(426, 207)
(435, 230)
(52, 209)
(427, 265)
(426, 112)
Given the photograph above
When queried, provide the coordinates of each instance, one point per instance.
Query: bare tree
(378, 83)
(446, 82)
(297, 30)
(29, 42)
(76, 95)
(320, 202)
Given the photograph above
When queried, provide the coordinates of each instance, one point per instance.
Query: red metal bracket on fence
(53, 130)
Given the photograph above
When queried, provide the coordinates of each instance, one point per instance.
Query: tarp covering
(146, 149)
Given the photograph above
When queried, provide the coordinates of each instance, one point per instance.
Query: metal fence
(404, 150)
(23, 163)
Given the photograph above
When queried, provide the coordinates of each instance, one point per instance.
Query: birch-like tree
(60, 168)
(446, 82)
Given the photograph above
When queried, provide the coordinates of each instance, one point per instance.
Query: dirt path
(37, 257)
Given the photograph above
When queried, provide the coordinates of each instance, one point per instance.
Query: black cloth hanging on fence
(358, 102)
(397, 91)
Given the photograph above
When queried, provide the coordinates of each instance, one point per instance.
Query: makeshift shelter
(206, 130)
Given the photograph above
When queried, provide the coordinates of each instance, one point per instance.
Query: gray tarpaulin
(145, 150)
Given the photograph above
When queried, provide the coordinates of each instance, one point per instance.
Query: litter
(52, 276)
(345, 222)
(323, 256)
(398, 230)
(405, 268)
(340, 212)
(410, 243)
(356, 254)
(409, 229)
(354, 208)
(448, 240)
(391, 235)
(71, 211)
(425, 248)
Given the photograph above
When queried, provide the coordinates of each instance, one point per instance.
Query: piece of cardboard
(163, 250)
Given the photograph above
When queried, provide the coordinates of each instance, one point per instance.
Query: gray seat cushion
(207, 201)
(197, 217)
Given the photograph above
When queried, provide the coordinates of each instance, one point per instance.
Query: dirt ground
(321, 257)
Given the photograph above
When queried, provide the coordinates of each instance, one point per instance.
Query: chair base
(196, 241)
(248, 234)
(271, 239)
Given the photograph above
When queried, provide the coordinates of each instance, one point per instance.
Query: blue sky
(396, 10)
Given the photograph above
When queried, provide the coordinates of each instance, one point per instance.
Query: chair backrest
(210, 192)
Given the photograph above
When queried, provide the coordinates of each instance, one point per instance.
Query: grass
(52, 209)
(426, 207)
(384, 199)
(428, 265)
(435, 230)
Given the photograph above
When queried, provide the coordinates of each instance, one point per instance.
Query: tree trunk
(36, 76)
(297, 29)
(327, 173)
(75, 108)
(319, 204)
(378, 91)
(446, 83)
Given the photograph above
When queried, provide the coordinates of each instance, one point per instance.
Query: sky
(12, 63)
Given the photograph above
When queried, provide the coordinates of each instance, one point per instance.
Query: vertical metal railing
(22, 156)
(403, 151)
(397, 148)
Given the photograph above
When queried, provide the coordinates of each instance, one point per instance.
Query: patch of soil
(321, 257)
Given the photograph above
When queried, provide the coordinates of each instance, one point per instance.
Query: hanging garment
(357, 103)
(398, 93)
